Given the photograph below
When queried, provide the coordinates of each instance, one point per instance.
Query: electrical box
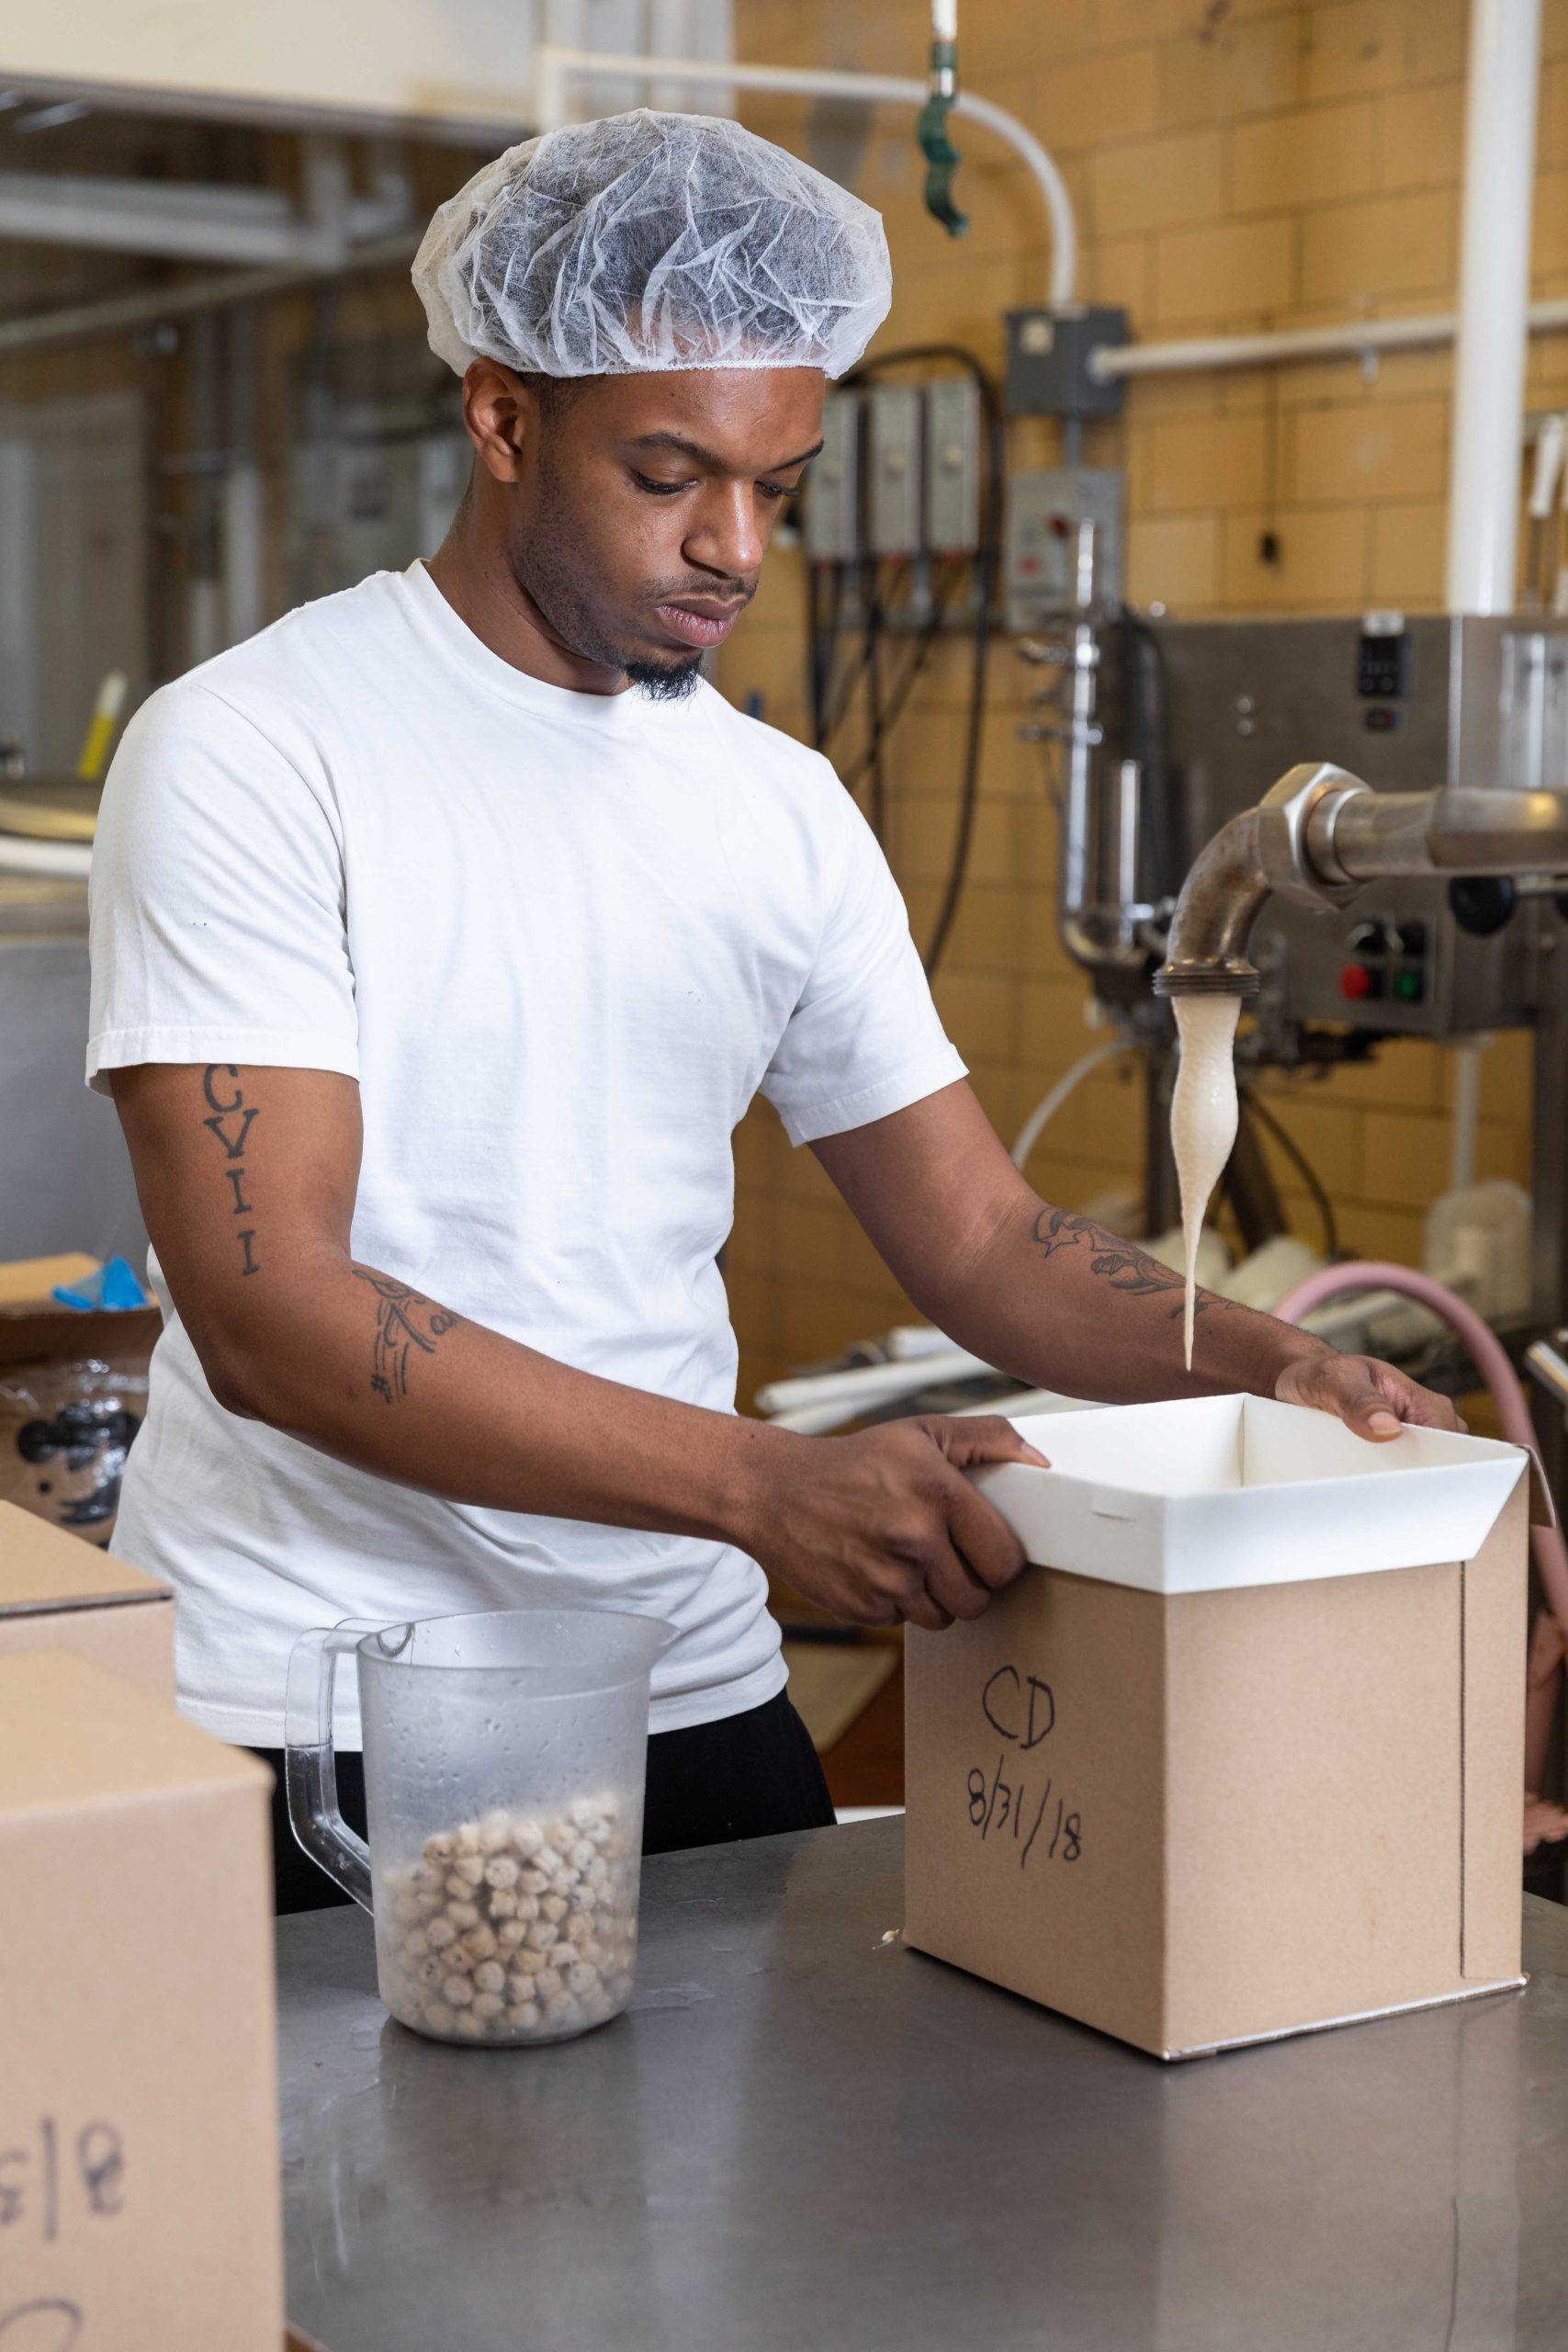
(1046, 513)
(1049, 361)
(831, 527)
(952, 465)
(893, 504)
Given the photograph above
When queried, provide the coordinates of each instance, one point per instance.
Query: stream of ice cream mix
(1202, 1119)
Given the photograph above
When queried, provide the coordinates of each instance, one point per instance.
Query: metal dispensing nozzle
(1318, 836)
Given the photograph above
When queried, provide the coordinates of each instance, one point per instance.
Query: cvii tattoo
(405, 1319)
(1121, 1263)
(231, 1122)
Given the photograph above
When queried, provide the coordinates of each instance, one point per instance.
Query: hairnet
(647, 241)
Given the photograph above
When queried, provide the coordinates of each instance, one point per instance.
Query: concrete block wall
(1235, 164)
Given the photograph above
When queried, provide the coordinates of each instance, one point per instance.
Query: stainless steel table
(806, 2138)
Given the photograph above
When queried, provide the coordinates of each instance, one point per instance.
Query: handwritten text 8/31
(1022, 1709)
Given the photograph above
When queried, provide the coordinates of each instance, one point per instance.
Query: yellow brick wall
(1235, 164)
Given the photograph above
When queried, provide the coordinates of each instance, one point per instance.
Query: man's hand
(1369, 1397)
(884, 1525)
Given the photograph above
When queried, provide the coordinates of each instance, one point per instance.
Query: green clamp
(930, 132)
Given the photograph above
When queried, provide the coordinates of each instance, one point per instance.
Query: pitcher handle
(310, 1758)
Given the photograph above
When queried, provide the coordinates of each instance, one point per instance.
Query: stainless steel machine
(1402, 704)
(1411, 880)
(1165, 730)
(1191, 722)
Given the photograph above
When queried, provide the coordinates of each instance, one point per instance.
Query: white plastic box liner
(1242, 1753)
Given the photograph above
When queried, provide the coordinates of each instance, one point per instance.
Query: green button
(1407, 987)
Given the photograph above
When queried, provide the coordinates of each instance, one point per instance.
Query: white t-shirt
(561, 940)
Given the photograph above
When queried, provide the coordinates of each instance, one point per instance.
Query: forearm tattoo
(232, 1121)
(1121, 1263)
(405, 1320)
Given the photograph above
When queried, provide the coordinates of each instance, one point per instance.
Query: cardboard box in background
(72, 1396)
(1243, 1755)
(138, 2042)
(58, 1593)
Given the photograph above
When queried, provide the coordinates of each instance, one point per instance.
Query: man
(443, 933)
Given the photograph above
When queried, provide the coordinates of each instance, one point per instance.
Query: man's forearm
(353, 1360)
(1056, 1300)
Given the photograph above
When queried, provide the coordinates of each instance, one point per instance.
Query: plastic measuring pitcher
(504, 1763)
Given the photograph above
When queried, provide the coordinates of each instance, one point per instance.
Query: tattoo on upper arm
(1121, 1263)
(231, 1122)
(405, 1319)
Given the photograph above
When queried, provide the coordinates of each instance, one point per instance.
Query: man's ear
(500, 413)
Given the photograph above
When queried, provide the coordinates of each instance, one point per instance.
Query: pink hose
(1491, 1361)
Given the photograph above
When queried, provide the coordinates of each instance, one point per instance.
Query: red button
(1355, 980)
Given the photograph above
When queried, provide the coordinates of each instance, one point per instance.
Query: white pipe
(1467, 1060)
(1044, 1111)
(556, 69)
(1345, 339)
(815, 1421)
(869, 1382)
(907, 1340)
(1024, 1406)
(72, 859)
(1489, 372)
(1494, 297)
(1364, 339)
(1548, 472)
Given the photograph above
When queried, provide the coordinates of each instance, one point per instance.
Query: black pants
(745, 1776)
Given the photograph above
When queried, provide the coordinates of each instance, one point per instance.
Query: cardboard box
(1243, 1755)
(58, 1593)
(29, 1282)
(139, 2168)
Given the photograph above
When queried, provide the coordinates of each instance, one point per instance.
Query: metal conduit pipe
(1358, 836)
(1362, 339)
(131, 314)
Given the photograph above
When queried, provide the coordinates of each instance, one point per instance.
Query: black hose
(878, 809)
(987, 562)
(814, 648)
(969, 793)
(925, 646)
(1255, 1109)
(822, 616)
(876, 610)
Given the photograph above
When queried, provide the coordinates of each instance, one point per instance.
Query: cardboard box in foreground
(139, 2182)
(1243, 1755)
(59, 1593)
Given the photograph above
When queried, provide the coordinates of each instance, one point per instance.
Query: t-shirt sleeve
(216, 900)
(864, 1039)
